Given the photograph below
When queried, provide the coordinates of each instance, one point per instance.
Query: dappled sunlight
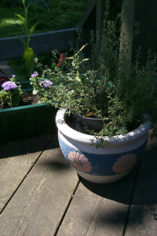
(7, 22)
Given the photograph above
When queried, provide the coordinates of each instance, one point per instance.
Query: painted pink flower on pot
(79, 161)
(124, 163)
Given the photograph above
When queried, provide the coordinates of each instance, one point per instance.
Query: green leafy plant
(51, 15)
(100, 86)
(11, 93)
(28, 51)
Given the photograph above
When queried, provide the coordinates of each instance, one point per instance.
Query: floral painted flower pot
(116, 159)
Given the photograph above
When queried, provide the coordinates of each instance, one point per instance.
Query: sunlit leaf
(21, 17)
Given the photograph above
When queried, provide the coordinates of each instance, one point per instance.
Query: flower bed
(27, 120)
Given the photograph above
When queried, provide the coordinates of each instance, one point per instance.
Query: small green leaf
(35, 92)
(32, 29)
(85, 59)
(21, 17)
(28, 57)
(15, 100)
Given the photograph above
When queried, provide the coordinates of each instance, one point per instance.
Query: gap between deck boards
(3, 208)
(50, 199)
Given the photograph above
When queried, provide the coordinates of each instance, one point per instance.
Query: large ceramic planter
(119, 156)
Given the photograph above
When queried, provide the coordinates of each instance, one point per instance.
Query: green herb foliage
(101, 86)
(28, 51)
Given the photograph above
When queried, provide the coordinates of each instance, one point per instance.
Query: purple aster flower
(46, 83)
(35, 74)
(9, 86)
(13, 76)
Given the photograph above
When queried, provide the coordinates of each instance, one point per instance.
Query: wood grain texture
(38, 205)
(127, 28)
(99, 210)
(143, 214)
(16, 159)
(87, 13)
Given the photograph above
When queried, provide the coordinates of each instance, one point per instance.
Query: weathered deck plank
(100, 214)
(143, 213)
(38, 205)
(16, 159)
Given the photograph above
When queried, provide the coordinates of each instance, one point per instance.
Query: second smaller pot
(95, 124)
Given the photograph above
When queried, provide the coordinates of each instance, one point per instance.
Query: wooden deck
(40, 195)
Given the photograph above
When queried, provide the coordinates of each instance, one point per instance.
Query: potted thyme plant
(122, 99)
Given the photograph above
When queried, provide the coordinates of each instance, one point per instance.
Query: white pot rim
(86, 138)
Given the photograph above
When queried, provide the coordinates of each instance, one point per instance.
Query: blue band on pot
(101, 164)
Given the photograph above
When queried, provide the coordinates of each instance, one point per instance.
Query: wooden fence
(136, 15)
(12, 47)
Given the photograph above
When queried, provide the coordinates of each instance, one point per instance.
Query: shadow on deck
(42, 195)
